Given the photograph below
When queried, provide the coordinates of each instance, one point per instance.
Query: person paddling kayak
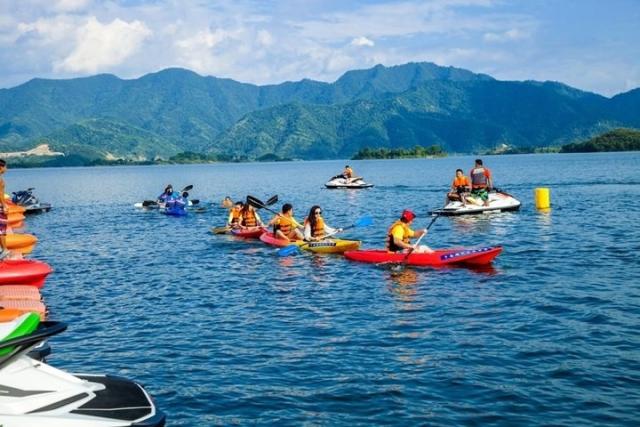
(399, 235)
(314, 226)
(285, 226)
(481, 182)
(167, 195)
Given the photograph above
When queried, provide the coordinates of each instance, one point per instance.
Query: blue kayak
(175, 211)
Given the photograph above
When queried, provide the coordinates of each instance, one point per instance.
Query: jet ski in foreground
(498, 201)
(33, 393)
(339, 181)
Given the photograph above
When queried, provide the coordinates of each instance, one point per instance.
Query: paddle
(220, 230)
(147, 203)
(290, 249)
(403, 263)
(257, 203)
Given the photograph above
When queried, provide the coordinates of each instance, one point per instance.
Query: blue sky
(589, 44)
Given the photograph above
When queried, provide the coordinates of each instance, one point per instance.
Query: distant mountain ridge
(176, 110)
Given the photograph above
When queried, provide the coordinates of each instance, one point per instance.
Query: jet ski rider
(481, 182)
(460, 188)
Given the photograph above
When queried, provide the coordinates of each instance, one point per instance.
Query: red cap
(408, 215)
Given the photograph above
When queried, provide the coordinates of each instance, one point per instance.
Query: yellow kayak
(330, 246)
(23, 243)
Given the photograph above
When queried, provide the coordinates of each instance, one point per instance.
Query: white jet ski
(33, 393)
(339, 181)
(499, 201)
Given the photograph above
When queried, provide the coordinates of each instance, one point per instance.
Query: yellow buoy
(543, 198)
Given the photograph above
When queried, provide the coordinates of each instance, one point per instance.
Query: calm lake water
(222, 331)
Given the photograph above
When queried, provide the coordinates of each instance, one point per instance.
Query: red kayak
(269, 239)
(440, 257)
(248, 233)
(23, 272)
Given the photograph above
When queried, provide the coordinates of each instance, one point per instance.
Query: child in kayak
(399, 235)
(235, 215)
(285, 226)
(315, 228)
(460, 188)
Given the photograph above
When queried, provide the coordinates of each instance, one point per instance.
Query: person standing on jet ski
(460, 187)
(481, 182)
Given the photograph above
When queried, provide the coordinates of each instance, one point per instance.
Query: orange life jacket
(249, 218)
(391, 245)
(318, 230)
(463, 181)
(235, 216)
(283, 224)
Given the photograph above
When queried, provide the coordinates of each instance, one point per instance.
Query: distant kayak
(341, 182)
(23, 272)
(248, 233)
(440, 257)
(498, 202)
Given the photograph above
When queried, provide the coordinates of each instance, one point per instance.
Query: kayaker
(227, 203)
(315, 228)
(399, 235)
(182, 201)
(460, 187)
(285, 226)
(235, 215)
(249, 217)
(4, 209)
(481, 182)
(167, 195)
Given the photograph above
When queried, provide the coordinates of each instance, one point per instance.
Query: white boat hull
(498, 202)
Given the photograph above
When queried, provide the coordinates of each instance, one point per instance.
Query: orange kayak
(24, 306)
(23, 243)
(8, 314)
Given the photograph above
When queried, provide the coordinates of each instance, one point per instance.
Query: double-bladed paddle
(291, 249)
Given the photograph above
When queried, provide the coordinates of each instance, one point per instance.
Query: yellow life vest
(406, 233)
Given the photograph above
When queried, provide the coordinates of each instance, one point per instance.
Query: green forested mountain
(615, 140)
(175, 110)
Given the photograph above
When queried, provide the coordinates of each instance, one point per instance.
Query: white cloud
(264, 38)
(70, 5)
(101, 46)
(362, 41)
(506, 36)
